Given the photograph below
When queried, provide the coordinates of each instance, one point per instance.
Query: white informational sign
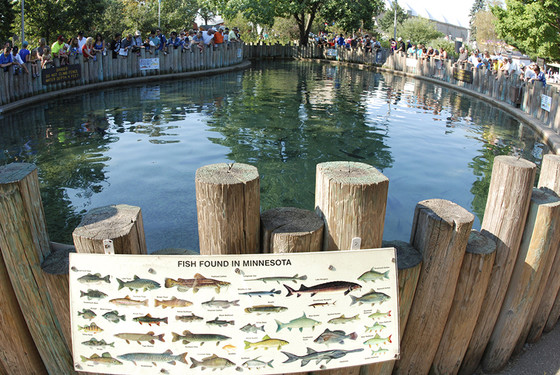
(148, 64)
(411, 63)
(546, 101)
(259, 314)
(333, 52)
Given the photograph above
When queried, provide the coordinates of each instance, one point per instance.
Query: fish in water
(372, 297)
(213, 362)
(138, 337)
(338, 336)
(251, 328)
(188, 318)
(313, 355)
(126, 301)
(167, 356)
(150, 320)
(94, 342)
(188, 336)
(329, 287)
(93, 294)
(138, 284)
(342, 319)
(91, 328)
(173, 302)
(220, 323)
(196, 283)
(113, 316)
(373, 275)
(351, 154)
(256, 363)
(375, 327)
(298, 323)
(104, 359)
(320, 304)
(380, 315)
(266, 343)
(265, 309)
(378, 340)
(87, 314)
(280, 279)
(223, 304)
(262, 293)
(94, 279)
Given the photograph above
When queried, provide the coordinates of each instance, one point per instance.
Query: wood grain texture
(440, 231)
(291, 230)
(504, 219)
(228, 209)
(121, 223)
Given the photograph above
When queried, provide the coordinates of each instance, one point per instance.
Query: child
(34, 60)
(46, 58)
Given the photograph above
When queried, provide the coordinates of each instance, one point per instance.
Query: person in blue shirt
(6, 58)
(24, 52)
(540, 76)
(162, 41)
(174, 41)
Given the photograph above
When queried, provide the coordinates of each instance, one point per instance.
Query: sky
(450, 11)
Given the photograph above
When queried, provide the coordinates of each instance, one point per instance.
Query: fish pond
(142, 145)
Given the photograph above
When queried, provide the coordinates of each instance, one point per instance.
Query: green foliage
(419, 30)
(353, 15)
(387, 21)
(7, 17)
(478, 5)
(444, 43)
(531, 26)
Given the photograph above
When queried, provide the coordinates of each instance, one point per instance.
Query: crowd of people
(41, 57)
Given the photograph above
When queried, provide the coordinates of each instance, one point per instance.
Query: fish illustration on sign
(138, 337)
(229, 347)
(373, 275)
(321, 304)
(87, 314)
(298, 323)
(220, 323)
(265, 309)
(173, 302)
(223, 304)
(280, 279)
(93, 294)
(127, 301)
(256, 363)
(266, 343)
(91, 328)
(378, 340)
(94, 279)
(379, 351)
(270, 293)
(188, 318)
(375, 327)
(329, 287)
(316, 356)
(380, 315)
(342, 319)
(148, 319)
(104, 359)
(94, 342)
(338, 336)
(195, 283)
(167, 356)
(371, 297)
(213, 362)
(113, 316)
(251, 328)
(188, 336)
(138, 284)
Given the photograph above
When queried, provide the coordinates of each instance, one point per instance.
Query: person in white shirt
(81, 41)
(208, 37)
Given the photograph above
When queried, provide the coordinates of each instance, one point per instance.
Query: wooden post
(121, 223)
(24, 242)
(542, 232)
(290, 230)
(504, 219)
(409, 263)
(440, 231)
(228, 208)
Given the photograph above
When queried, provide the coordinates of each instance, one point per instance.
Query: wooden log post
(541, 234)
(409, 263)
(467, 301)
(228, 208)
(351, 198)
(440, 231)
(290, 230)
(504, 219)
(24, 244)
(120, 223)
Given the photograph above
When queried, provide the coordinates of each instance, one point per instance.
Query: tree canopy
(7, 17)
(420, 30)
(387, 21)
(478, 6)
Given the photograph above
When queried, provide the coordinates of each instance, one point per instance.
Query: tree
(531, 26)
(478, 5)
(7, 17)
(420, 30)
(353, 16)
(387, 21)
(486, 36)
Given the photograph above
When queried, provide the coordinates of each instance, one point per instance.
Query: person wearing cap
(401, 47)
(81, 40)
(57, 50)
(137, 42)
(24, 52)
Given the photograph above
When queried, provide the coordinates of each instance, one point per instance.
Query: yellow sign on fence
(61, 74)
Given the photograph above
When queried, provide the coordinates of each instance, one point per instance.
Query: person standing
(81, 40)
(115, 45)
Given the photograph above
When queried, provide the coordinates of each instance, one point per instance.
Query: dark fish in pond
(329, 287)
(352, 155)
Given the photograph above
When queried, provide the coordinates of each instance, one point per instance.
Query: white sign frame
(546, 102)
(148, 64)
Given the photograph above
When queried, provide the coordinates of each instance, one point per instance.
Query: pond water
(141, 145)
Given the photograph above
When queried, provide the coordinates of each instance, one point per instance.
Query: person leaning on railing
(6, 58)
(87, 49)
(58, 50)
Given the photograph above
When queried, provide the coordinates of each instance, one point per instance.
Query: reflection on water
(142, 145)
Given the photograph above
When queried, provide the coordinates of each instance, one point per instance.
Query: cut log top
(15, 172)
(451, 213)
(107, 222)
(290, 220)
(345, 172)
(407, 255)
(480, 243)
(226, 174)
(514, 161)
(544, 196)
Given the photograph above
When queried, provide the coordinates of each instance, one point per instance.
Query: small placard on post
(108, 247)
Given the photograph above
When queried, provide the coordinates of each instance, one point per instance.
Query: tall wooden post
(504, 218)
(541, 233)
(467, 301)
(228, 208)
(351, 198)
(24, 244)
(440, 231)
